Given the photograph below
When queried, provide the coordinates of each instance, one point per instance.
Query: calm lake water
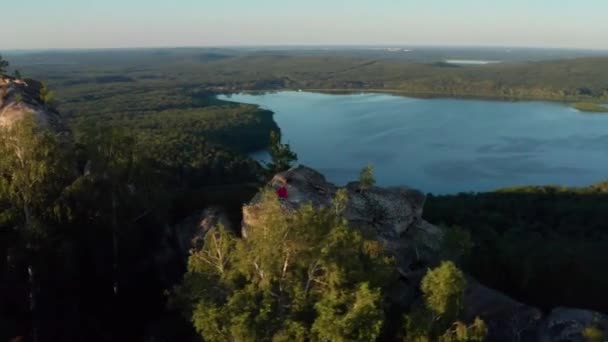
(441, 145)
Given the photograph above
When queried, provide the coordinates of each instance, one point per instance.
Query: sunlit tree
(297, 276)
(34, 169)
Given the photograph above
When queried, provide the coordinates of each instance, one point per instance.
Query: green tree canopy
(438, 318)
(46, 95)
(3, 65)
(282, 155)
(443, 288)
(301, 275)
(34, 168)
(366, 177)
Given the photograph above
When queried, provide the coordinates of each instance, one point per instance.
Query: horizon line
(306, 45)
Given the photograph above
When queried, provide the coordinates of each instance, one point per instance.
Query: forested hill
(162, 79)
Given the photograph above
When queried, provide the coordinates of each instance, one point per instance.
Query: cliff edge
(22, 97)
(393, 215)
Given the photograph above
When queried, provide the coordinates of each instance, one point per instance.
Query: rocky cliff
(391, 215)
(19, 98)
(394, 217)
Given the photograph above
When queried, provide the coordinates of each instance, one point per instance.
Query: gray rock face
(507, 319)
(190, 233)
(566, 324)
(392, 215)
(22, 97)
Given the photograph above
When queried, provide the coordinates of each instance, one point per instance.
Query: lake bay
(441, 145)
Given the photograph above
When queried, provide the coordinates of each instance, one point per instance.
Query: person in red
(282, 192)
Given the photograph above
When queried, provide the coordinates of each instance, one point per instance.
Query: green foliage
(443, 289)
(437, 318)
(340, 201)
(282, 155)
(418, 325)
(3, 65)
(456, 244)
(524, 238)
(366, 177)
(18, 74)
(590, 107)
(460, 332)
(593, 334)
(363, 319)
(297, 275)
(34, 168)
(46, 96)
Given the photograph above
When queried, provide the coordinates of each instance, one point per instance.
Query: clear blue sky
(33, 24)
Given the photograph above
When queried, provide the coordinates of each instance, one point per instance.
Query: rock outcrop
(190, 233)
(508, 320)
(19, 98)
(566, 324)
(391, 215)
(394, 216)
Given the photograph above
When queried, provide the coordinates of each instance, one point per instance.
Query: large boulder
(392, 215)
(507, 319)
(19, 98)
(567, 325)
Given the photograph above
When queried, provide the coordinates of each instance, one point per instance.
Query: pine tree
(443, 289)
(281, 154)
(366, 177)
(3, 65)
(438, 319)
(46, 95)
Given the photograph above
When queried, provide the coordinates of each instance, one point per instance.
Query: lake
(441, 145)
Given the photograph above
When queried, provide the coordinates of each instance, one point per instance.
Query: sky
(50, 24)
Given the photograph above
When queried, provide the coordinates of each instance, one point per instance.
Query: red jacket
(282, 192)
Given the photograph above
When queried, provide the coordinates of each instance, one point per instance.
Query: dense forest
(87, 220)
(544, 245)
(88, 223)
(90, 227)
(87, 240)
(160, 79)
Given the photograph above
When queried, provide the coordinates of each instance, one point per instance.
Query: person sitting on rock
(282, 192)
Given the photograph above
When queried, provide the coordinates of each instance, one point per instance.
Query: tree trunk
(32, 282)
(115, 243)
(31, 277)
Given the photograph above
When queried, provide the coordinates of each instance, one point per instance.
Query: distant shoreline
(423, 95)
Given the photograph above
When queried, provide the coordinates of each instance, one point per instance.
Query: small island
(590, 107)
